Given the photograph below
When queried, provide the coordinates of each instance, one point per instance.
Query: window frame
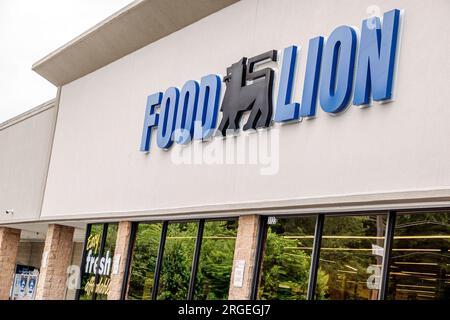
(160, 254)
(391, 215)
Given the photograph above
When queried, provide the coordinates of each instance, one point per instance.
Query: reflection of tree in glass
(214, 269)
(285, 272)
(287, 259)
(177, 261)
(111, 237)
(216, 260)
(144, 261)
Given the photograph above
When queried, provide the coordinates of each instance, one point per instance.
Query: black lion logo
(240, 96)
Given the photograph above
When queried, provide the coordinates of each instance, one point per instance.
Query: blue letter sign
(336, 83)
(210, 87)
(311, 84)
(151, 120)
(285, 109)
(187, 110)
(166, 128)
(330, 68)
(376, 59)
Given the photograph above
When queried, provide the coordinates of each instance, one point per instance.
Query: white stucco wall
(97, 170)
(25, 150)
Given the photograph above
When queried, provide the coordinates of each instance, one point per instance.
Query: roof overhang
(133, 27)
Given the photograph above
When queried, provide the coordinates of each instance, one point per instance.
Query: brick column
(122, 242)
(55, 260)
(9, 245)
(245, 250)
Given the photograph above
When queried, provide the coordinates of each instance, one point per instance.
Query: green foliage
(216, 260)
(144, 261)
(177, 261)
(286, 270)
(345, 255)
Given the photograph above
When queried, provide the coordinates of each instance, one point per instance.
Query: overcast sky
(29, 30)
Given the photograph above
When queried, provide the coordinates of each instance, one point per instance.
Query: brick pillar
(122, 242)
(9, 245)
(56, 259)
(245, 250)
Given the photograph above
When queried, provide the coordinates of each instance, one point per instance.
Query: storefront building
(254, 149)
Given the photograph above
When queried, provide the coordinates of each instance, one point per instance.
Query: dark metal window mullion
(126, 276)
(159, 260)
(262, 232)
(315, 255)
(388, 240)
(100, 255)
(83, 260)
(195, 259)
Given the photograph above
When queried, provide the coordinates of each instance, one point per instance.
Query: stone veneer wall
(9, 244)
(56, 258)
(245, 249)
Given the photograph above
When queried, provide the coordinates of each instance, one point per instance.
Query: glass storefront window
(92, 249)
(287, 259)
(104, 273)
(75, 265)
(177, 261)
(349, 260)
(96, 278)
(420, 259)
(143, 263)
(351, 256)
(216, 260)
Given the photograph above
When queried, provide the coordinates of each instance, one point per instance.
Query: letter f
(151, 120)
(88, 260)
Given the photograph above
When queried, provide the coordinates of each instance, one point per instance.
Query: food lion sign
(191, 114)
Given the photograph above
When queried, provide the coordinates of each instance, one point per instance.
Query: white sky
(29, 30)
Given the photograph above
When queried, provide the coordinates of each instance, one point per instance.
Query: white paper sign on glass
(239, 268)
(377, 250)
(116, 263)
